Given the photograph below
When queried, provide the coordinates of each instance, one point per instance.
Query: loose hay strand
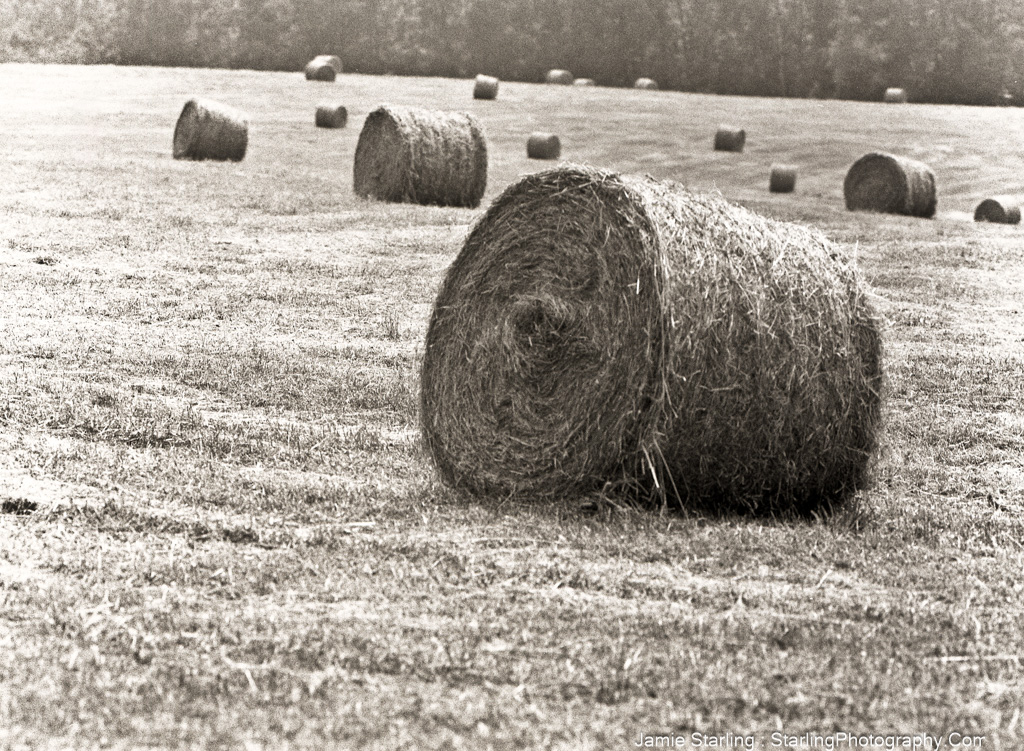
(891, 184)
(416, 155)
(210, 130)
(598, 328)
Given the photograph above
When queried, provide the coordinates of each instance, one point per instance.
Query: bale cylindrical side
(319, 69)
(894, 95)
(645, 83)
(600, 331)
(559, 76)
(210, 130)
(583, 82)
(543, 146)
(891, 184)
(782, 178)
(999, 209)
(728, 138)
(333, 60)
(485, 87)
(416, 155)
(331, 116)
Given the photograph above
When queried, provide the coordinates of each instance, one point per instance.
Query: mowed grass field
(220, 529)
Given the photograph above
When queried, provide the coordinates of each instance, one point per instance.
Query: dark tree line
(963, 51)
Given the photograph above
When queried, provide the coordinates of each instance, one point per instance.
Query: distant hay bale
(210, 130)
(645, 83)
(890, 184)
(583, 82)
(333, 60)
(331, 116)
(415, 155)
(728, 138)
(485, 87)
(782, 179)
(543, 146)
(556, 75)
(319, 69)
(895, 96)
(606, 331)
(999, 209)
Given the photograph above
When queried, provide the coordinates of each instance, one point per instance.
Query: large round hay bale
(891, 184)
(601, 331)
(583, 82)
(485, 87)
(645, 83)
(559, 76)
(210, 130)
(543, 146)
(331, 116)
(333, 60)
(894, 95)
(999, 209)
(728, 138)
(319, 69)
(782, 178)
(415, 155)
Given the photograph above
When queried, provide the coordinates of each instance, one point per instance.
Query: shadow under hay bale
(331, 116)
(485, 87)
(782, 178)
(416, 155)
(999, 209)
(543, 146)
(319, 69)
(559, 76)
(895, 96)
(728, 138)
(890, 184)
(210, 130)
(583, 82)
(646, 83)
(602, 329)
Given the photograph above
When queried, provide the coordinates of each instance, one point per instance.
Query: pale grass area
(219, 527)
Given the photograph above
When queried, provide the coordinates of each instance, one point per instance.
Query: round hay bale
(890, 184)
(999, 209)
(583, 82)
(558, 76)
(485, 87)
(331, 116)
(210, 130)
(895, 96)
(606, 331)
(543, 146)
(333, 60)
(728, 138)
(415, 155)
(319, 69)
(646, 83)
(782, 178)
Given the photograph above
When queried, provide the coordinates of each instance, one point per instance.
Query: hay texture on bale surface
(558, 76)
(890, 184)
(999, 209)
(485, 87)
(604, 331)
(543, 146)
(894, 95)
(416, 155)
(645, 83)
(583, 82)
(728, 138)
(782, 178)
(210, 130)
(331, 116)
(319, 69)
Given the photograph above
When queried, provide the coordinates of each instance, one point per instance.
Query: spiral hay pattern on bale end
(485, 87)
(210, 130)
(331, 116)
(895, 96)
(646, 83)
(728, 138)
(559, 76)
(603, 331)
(543, 146)
(782, 178)
(416, 155)
(999, 209)
(319, 69)
(890, 184)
